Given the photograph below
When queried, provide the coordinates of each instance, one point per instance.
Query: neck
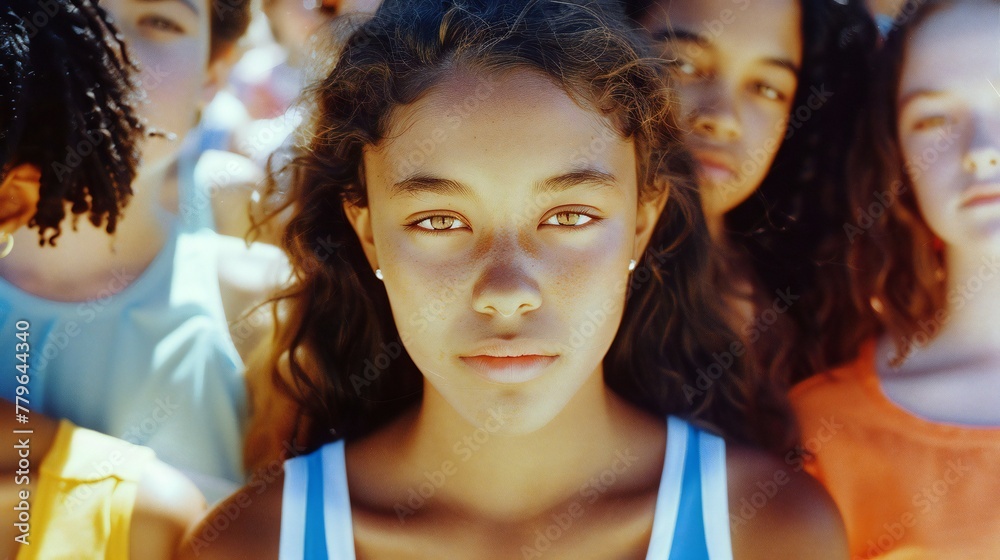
(86, 259)
(973, 302)
(515, 477)
(716, 227)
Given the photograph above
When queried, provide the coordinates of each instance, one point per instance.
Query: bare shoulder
(166, 504)
(244, 525)
(778, 512)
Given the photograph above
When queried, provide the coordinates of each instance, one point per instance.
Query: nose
(506, 287)
(982, 162)
(713, 113)
(982, 157)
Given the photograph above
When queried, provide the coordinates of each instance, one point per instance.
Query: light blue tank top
(151, 362)
(690, 522)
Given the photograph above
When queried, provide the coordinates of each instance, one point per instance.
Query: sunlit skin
(510, 273)
(949, 131)
(736, 68)
(513, 272)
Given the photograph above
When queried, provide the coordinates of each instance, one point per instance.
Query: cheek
(586, 290)
(427, 290)
(172, 77)
(934, 172)
(764, 128)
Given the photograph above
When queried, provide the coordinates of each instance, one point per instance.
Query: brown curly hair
(898, 267)
(336, 314)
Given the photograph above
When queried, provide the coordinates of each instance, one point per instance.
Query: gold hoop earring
(8, 241)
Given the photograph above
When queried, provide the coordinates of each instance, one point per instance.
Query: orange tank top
(907, 488)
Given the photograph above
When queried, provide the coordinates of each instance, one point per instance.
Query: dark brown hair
(898, 267)
(788, 232)
(336, 315)
(230, 19)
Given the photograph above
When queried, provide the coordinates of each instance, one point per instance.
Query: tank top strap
(715, 496)
(691, 519)
(315, 509)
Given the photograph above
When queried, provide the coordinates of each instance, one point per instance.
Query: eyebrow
(421, 184)
(190, 5)
(668, 34)
(912, 96)
(703, 41)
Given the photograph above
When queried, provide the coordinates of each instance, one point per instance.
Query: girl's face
(169, 39)
(736, 69)
(503, 217)
(949, 123)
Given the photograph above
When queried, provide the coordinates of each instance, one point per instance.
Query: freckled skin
(504, 255)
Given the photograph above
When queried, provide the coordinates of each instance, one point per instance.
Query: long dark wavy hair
(67, 100)
(898, 264)
(790, 230)
(336, 315)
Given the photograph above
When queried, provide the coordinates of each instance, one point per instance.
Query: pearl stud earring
(631, 265)
(378, 274)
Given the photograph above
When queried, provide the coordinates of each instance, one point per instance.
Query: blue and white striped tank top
(690, 522)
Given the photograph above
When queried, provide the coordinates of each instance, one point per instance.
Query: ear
(360, 219)
(218, 72)
(19, 194)
(645, 221)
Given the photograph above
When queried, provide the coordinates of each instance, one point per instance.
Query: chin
(512, 417)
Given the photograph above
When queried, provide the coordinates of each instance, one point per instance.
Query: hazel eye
(440, 223)
(158, 23)
(684, 68)
(769, 92)
(568, 219)
(927, 123)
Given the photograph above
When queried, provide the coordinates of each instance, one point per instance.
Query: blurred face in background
(735, 64)
(949, 123)
(170, 40)
(293, 22)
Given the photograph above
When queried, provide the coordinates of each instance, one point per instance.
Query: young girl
(66, 83)
(135, 335)
(768, 92)
(65, 78)
(912, 454)
(500, 298)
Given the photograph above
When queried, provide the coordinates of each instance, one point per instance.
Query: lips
(509, 369)
(981, 195)
(715, 166)
(982, 201)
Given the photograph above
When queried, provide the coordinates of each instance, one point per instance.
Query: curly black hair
(67, 99)
(791, 229)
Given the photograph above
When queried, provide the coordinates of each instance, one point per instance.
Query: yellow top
(82, 507)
